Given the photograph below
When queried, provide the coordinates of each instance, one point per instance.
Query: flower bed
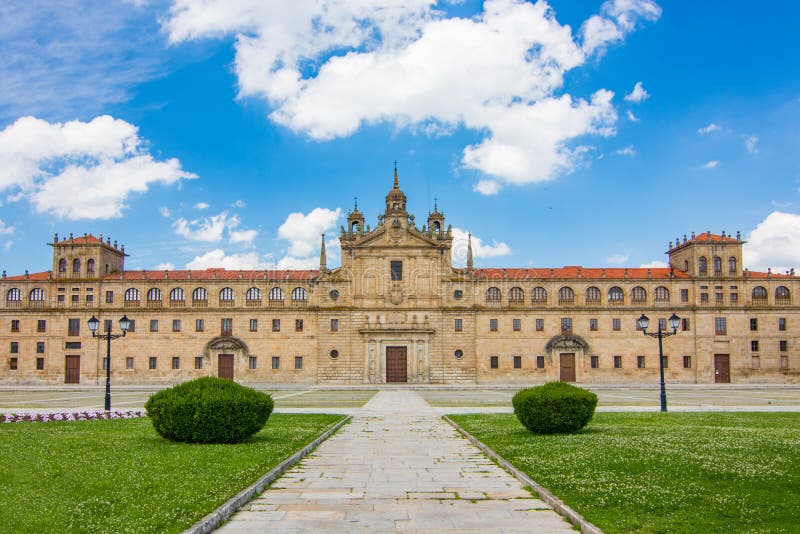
(69, 416)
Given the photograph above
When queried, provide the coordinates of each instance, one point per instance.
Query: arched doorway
(223, 353)
(566, 352)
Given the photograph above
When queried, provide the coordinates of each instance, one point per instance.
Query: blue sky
(232, 133)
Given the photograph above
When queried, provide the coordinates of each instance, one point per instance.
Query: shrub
(209, 410)
(554, 408)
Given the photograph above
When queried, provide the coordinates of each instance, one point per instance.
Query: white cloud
(167, 266)
(103, 159)
(775, 243)
(243, 236)
(487, 187)
(638, 94)
(212, 229)
(5, 229)
(165, 212)
(218, 258)
(479, 250)
(627, 151)
(713, 164)
(655, 264)
(303, 231)
(202, 206)
(616, 259)
(292, 263)
(631, 116)
(705, 130)
(750, 142)
(617, 18)
(329, 67)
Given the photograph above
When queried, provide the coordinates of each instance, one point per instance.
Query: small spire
(396, 185)
(355, 200)
(469, 252)
(435, 204)
(322, 259)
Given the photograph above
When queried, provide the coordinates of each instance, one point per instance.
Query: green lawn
(119, 475)
(652, 472)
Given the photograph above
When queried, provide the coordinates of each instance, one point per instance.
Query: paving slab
(397, 467)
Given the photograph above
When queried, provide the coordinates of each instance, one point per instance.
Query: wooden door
(396, 365)
(225, 368)
(73, 374)
(722, 368)
(567, 367)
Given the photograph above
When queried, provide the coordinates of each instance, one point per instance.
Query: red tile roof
(572, 271)
(213, 274)
(707, 237)
(33, 276)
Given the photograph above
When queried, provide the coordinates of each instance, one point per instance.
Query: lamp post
(94, 324)
(643, 322)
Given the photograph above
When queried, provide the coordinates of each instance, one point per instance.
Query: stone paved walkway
(396, 466)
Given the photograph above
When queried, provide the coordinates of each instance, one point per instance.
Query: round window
(459, 354)
(334, 354)
(334, 294)
(457, 294)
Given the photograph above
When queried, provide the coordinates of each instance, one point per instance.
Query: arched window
(759, 293)
(516, 294)
(253, 294)
(90, 266)
(13, 295)
(177, 295)
(539, 295)
(592, 295)
(616, 295)
(437, 226)
(355, 227)
(717, 266)
(132, 295)
(661, 294)
(638, 295)
(732, 265)
(200, 294)
(686, 266)
(153, 295)
(276, 294)
(36, 295)
(76, 265)
(62, 265)
(493, 294)
(782, 293)
(566, 295)
(226, 294)
(702, 265)
(299, 295)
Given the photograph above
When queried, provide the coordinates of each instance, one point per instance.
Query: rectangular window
(41, 325)
(755, 362)
(73, 327)
(662, 324)
(517, 362)
(616, 325)
(718, 297)
(107, 325)
(40, 364)
(176, 362)
(594, 361)
(109, 297)
(12, 364)
(754, 346)
(40, 347)
(784, 365)
(640, 362)
(75, 299)
(298, 362)
(617, 362)
(73, 345)
(252, 362)
(783, 345)
(703, 298)
(152, 363)
(89, 299)
(685, 325)
(493, 362)
(540, 325)
(782, 324)
(132, 327)
(176, 325)
(665, 361)
(492, 325)
(684, 295)
(334, 325)
(198, 362)
(734, 298)
(593, 325)
(459, 325)
(566, 325)
(254, 325)
(516, 325)
(397, 270)
(276, 362)
(276, 325)
(687, 362)
(14, 348)
(540, 362)
(720, 326)
(298, 325)
(129, 362)
(199, 325)
(15, 325)
(226, 326)
(154, 325)
(753, 325)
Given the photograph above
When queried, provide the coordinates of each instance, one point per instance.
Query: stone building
(396, 310)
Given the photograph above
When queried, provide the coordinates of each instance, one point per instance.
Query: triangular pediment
(387, 236)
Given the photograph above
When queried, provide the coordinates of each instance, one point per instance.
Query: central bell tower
(396, 200)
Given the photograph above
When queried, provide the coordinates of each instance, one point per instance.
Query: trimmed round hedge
(209, 410)
(554, 408)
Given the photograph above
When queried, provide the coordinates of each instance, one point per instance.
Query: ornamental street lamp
(643, 322)
(124, 324)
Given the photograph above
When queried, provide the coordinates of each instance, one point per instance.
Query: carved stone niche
(225, 343)
(567, 342)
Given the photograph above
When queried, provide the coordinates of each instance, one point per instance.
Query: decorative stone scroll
(567, 342)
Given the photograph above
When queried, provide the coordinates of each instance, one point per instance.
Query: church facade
(398, 311)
